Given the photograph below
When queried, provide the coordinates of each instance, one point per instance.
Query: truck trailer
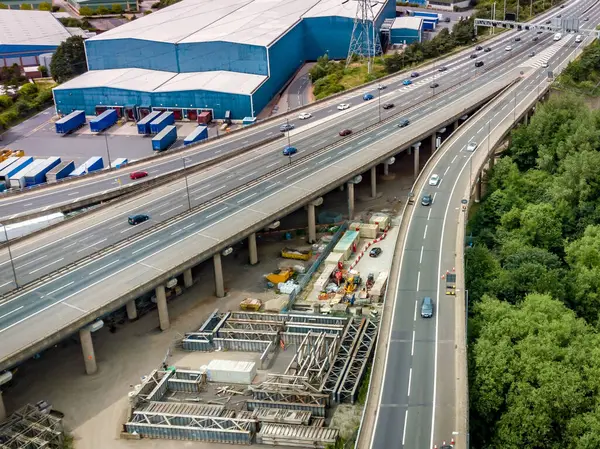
(119, 162)
(164, 139)
(17, 180)
(199, 134)
(158, 124)
(92, 164)
(70, 123)
(14, 168)
(60, 171)
(104, 121)
(38, 175)
(7, 162)
(143, 125)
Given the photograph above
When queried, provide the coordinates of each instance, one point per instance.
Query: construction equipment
(279, 276)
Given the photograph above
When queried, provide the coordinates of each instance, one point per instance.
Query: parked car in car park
(138, 174)
(137, 219)
(345, 132)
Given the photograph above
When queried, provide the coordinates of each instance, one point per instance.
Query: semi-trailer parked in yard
(17, 181)
(143, 125)
(119, 162)
(164, 139)
(70, 123)
(7, 162)
(14, 168)
(158, 124)
(61, 171)
(199, 134)
(92, 164)
(37, 175)
(104, 121)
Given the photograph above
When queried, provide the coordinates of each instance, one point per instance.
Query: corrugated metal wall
(131, 53)
(329, 35)
(229, 56)
(17, 51)
(404, 36)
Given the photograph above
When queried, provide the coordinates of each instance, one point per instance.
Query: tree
(102, 10)
(69, 60)
(116, 8)
(45, 6)
(86, 11)
(26, 7)
(29, 90)
(3, 6)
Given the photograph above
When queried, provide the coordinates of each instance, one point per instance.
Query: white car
(545, 65)
(472, 146)
(508, 48)
(381, 86)
(434, 180)
(305, 115)
(343, 106)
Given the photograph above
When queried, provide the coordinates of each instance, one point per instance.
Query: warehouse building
(216, 55)
(406, 30)
(25, 35)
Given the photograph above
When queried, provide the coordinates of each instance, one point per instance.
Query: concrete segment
(87, 347)
(219, 285)
(131, 310)
(188, 280)
(163, 309)
(350, 200)
(312, 223)
(252, 249)
(416, 167)
(2, 408)
(374, 181)
(386, 169)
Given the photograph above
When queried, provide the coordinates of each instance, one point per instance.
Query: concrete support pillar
(433, 137)
(188, 281)
(131, 310)
(2, 409)
(312, 223)
(478, 188)
(342, 188)
(455, 126)
(526, 118)
(492, 160)
(350, 200)
(409, 151)
(163, 309)
(374, 182)
(87, 347)
(417, 167)
(386, 169)
(219, 285)
(253, 256)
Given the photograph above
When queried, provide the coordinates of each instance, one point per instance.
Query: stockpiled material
(231, 371)
(366, 230)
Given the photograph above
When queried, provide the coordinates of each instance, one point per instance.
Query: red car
(138, 174)
(345, 132)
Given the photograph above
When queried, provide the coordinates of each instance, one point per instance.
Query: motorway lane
(421, 347)
(31, 263)
(44, 199)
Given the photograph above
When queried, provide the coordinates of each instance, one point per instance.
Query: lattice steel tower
(364, 41)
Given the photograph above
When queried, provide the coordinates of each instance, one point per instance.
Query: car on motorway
(585, 19)
(478, 63)
(427, 200)
(367, 97)
(531, 54)
(472, 146)
(286, 127)
(388, 105)
(137, 219)
(508, 48)
(479, 48)
(434, 180)
(381, 86)
(426, 307)
(545, 64)
(288, 151)
(473, 55)
(403, 123)
(517, 39)
(548, 22)
(407, 82)
(559, 16)
(138, 174)
(375, 252)
(305, 115)
(487, 49)
(578, 38)
(434, 85)
(539, 31)
(345, 132)
(415, 74)
(442, 68)
(343, 106)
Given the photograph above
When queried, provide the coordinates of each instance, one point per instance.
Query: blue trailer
(247, 121)
(119, 162)
(60, 171)
(38, 175)
(164, 139)
(104, 121)
(165, 119)
(199, 134)
(425, 15)
(429, 24)
(143, 125)
(8, 161)
(15, 167)
(70, 123)
(92, 164)
(17, 180)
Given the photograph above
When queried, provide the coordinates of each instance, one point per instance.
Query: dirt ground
(95, 406)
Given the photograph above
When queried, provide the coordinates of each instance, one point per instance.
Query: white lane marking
(201, 188)
(176, 232)
(298, 172)
(158, 206)
(127, 229)
(216, 213)
(272, 165)
(92, 245)
(429, 214)
(115, 225)
(11, 312)
(57, 289)
(381, 132)
(145, 246)
(5, 284)
(434, 195)
(46, 266)
(439, 184)
(31, 261)
(74, 193)
(409, 381)
(418, 280)
(326, 159)
(425, 233)
(480, 129)
(412, 349)
(404, 431)
(103, 267)
(28, 204)
(363, 141)
(152, 171)
(247, 175)
(68, 246)
(247, 197)
(454, 159)
(421, 256)
(188, 226)
(446, 170)
(208, 193)
(170, 210)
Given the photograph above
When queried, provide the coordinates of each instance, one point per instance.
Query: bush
(86, 11)
(3, 6)
(102, 10)
(145, 13)
(8, 118)
(29, 90)
(45, 6)
(5, 102)
(25, 7)
(44, 97)
(117, 9)
(24, 107)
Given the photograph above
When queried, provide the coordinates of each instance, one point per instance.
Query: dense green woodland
(533, 276)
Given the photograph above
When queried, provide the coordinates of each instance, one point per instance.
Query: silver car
(434, 180)
(471, 146)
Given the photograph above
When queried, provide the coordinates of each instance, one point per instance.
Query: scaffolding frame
(29, 428)
(314, 357)
(289, 389)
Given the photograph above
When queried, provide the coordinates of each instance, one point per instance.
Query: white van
(578, 38)
(557, 36)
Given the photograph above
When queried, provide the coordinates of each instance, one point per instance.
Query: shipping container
(205, 117)
(428, 15)
(7, 162)
(199, 134)
(347, 243)
(17, 180)
(61, 171)
(164, 139)
(158, 124)
(70, 123)
(119, 162)
(92, 164)
(104, 121)
(38, 175)
(231, 371)
(15, 167)
(247, 121)
(143, 125)
(22, 228)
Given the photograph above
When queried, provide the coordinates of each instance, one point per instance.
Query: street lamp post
(515, 109)
(12, 263)
(107, 150)
(287, 121)
(379, 100)
(187, 187)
